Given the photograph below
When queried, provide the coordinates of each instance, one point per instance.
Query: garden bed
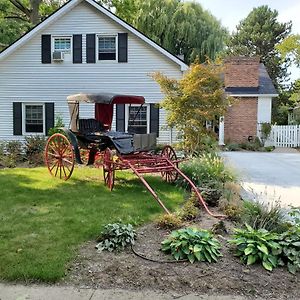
(227, 277)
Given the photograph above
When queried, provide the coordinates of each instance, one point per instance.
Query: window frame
(97, 47)
(147, 115)
(24, 104)
(54, 37)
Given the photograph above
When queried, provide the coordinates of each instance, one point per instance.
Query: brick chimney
(241, 71)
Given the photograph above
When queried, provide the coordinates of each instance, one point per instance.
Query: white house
(82, 47)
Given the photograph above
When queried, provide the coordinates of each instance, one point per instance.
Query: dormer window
(107, 48)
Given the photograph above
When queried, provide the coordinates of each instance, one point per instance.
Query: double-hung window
(107, 48)
(62, 44)
(33, 118)
(138, 119)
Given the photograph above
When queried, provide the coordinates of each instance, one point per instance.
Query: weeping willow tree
(183, 28)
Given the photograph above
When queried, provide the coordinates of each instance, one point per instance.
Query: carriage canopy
(103, 106)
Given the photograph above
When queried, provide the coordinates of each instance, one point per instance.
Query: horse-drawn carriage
(92, 141)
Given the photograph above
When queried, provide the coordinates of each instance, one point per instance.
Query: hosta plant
(290, 243)
(116, 237)
(192, 244)
(257, 245)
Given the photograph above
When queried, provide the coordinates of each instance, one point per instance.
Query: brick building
(247, 81)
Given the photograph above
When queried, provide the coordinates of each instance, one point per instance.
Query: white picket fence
(284, 136)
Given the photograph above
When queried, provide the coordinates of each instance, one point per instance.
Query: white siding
(264, 109)
(23, 78)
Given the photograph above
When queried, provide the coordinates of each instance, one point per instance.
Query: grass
(44, 220)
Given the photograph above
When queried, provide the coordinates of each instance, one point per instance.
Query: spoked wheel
(169, 153)
(108, 169)
(59, 156)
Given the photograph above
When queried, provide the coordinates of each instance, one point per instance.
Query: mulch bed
(226, 277)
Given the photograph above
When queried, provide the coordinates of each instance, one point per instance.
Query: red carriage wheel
(108, 169)
(169, 153)
(59, 156)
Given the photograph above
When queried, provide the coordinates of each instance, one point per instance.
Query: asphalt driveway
(270, 175)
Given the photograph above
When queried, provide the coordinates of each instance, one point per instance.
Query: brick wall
(241, 72)
(241, 120)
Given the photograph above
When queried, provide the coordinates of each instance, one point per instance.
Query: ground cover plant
(257, 246)
(192, 244)
(116, 237)
(44, 220)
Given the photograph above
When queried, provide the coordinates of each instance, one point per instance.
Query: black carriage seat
(90, 126)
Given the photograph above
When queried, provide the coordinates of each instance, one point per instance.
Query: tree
(258, 35)
(290, 47)
(125, 9)
(193, 100)
(183, 28)
(17, 16)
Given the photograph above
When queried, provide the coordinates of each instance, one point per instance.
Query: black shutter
(46, 49)
(154, 118)
(122, 47)
(90, 48)
(49, 113)
(17, 115)
(77, 48)
(120, 117)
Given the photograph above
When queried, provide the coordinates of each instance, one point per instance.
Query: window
(34, 118)
(137, 119)
(106, 48)
(62, 44)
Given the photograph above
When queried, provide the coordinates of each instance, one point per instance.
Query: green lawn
(43, 220)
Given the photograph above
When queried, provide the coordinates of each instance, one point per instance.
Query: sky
(230, 12)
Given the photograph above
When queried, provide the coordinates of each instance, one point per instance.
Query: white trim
(109, 14)
(253, 95)
(68, 56)
(97, 47)
(24, 104)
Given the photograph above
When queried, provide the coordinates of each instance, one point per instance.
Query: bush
(192, 244)
(11, 154)
(257, 246)
(169, 221)
(34, 149)
(58, 124)
(209, 173)
(233, 147)
(189, 211)
(116, 237)
(262, 215)
(231, 202)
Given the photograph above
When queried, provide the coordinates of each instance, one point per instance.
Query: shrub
(233, 147)
(34, 149)
(189, 211)
(169, 221)
(231, 202)
(290, 243)
(58, 124)
(264, 215)
(192, 244)
(257, 246)
(116, 237)
(209, 173)
(11, 154)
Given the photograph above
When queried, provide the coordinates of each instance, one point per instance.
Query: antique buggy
(92, 141)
